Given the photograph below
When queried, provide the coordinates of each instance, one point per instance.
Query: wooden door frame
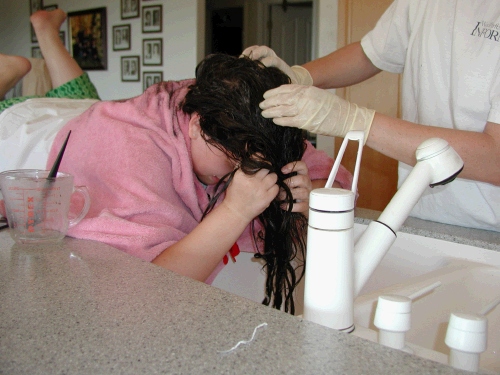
(378, 174)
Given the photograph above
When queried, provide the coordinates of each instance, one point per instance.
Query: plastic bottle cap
(393, 313)
(331, 200)
(394, 303)
(467, 333)
(468, 322)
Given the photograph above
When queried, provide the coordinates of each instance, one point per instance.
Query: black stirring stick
(55, 167)
(50, 178)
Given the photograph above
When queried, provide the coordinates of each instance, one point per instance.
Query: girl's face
(209, 163)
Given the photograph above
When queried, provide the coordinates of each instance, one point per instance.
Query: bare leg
(60, 64)
(12, 70)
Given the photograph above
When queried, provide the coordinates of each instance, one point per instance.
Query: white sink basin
(470, 280)
(469, 276)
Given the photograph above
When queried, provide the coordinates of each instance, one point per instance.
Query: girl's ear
(194, 126)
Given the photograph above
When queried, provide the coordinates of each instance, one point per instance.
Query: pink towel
(134, 157)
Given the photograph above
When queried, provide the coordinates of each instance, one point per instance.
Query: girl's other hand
(250, 195)
(300, 185)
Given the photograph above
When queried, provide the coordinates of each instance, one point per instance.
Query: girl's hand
(250, 195)
(300, 186)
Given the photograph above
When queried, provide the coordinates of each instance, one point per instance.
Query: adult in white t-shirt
(449, 54)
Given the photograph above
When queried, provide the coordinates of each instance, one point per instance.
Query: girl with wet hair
(226, 97)
(189, 171)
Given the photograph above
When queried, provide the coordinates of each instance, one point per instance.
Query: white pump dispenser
(329, 280)
(336, 270)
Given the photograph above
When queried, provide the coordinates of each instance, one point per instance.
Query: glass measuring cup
(37, 207)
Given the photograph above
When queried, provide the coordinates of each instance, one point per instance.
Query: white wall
(179, 33)
(326, 18)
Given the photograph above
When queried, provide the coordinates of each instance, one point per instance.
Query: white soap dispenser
(330, 240)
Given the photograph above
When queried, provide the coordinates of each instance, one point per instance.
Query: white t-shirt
(449, 54)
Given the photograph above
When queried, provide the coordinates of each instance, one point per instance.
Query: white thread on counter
(243, 341)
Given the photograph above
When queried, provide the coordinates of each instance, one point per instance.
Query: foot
(43, 20)
(12, 70)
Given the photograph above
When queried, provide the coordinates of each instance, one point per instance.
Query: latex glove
(268, 57)
(316, 110)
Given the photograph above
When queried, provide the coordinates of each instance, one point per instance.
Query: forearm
(344, 67)
(399, 139)
(199, 253)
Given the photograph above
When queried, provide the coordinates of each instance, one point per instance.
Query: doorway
(232, 25)
(285, 26)
(290, 31)
(224, 27)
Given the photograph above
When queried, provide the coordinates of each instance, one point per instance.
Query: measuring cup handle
(82, 190)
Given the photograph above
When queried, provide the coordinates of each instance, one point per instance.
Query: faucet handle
(393, 319)
(466, 337)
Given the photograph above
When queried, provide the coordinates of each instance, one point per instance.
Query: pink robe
(134, 157)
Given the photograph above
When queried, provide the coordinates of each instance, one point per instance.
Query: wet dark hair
(226, 96)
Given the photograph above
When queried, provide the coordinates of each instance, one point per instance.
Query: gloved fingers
(292, 89)
(272, 61)
(247, 51)
(280, 111)
(285, 95)
(258, 52)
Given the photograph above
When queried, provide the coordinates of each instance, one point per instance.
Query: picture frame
(121, 37)
(151, 78)
(36, 53)
(129, 9)
(87, 38)
(34, 39)
(35, 5)
(50, 7)
(152, 52)
(62, 35)
(130, 68)
(152, 19)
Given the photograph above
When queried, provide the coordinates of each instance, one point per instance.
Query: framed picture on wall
(150, 78)
(50, 7)
(35, 5)
(121, 37)
(130, 68)
(129, 9)
(87, 38)
(33, 35)
(152, 19)
(152, 51)
(36, 53)
(62, 35)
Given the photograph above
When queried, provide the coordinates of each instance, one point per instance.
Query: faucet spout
(336, 268)
(437, 164)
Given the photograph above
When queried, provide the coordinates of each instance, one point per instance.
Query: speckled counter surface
(474, 237)
(81, 307)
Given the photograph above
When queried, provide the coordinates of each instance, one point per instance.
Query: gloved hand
(268, 57)
(316, 110)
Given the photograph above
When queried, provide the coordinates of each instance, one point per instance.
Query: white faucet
(336, 268)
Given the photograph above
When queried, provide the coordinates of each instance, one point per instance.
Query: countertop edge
(468, 236)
